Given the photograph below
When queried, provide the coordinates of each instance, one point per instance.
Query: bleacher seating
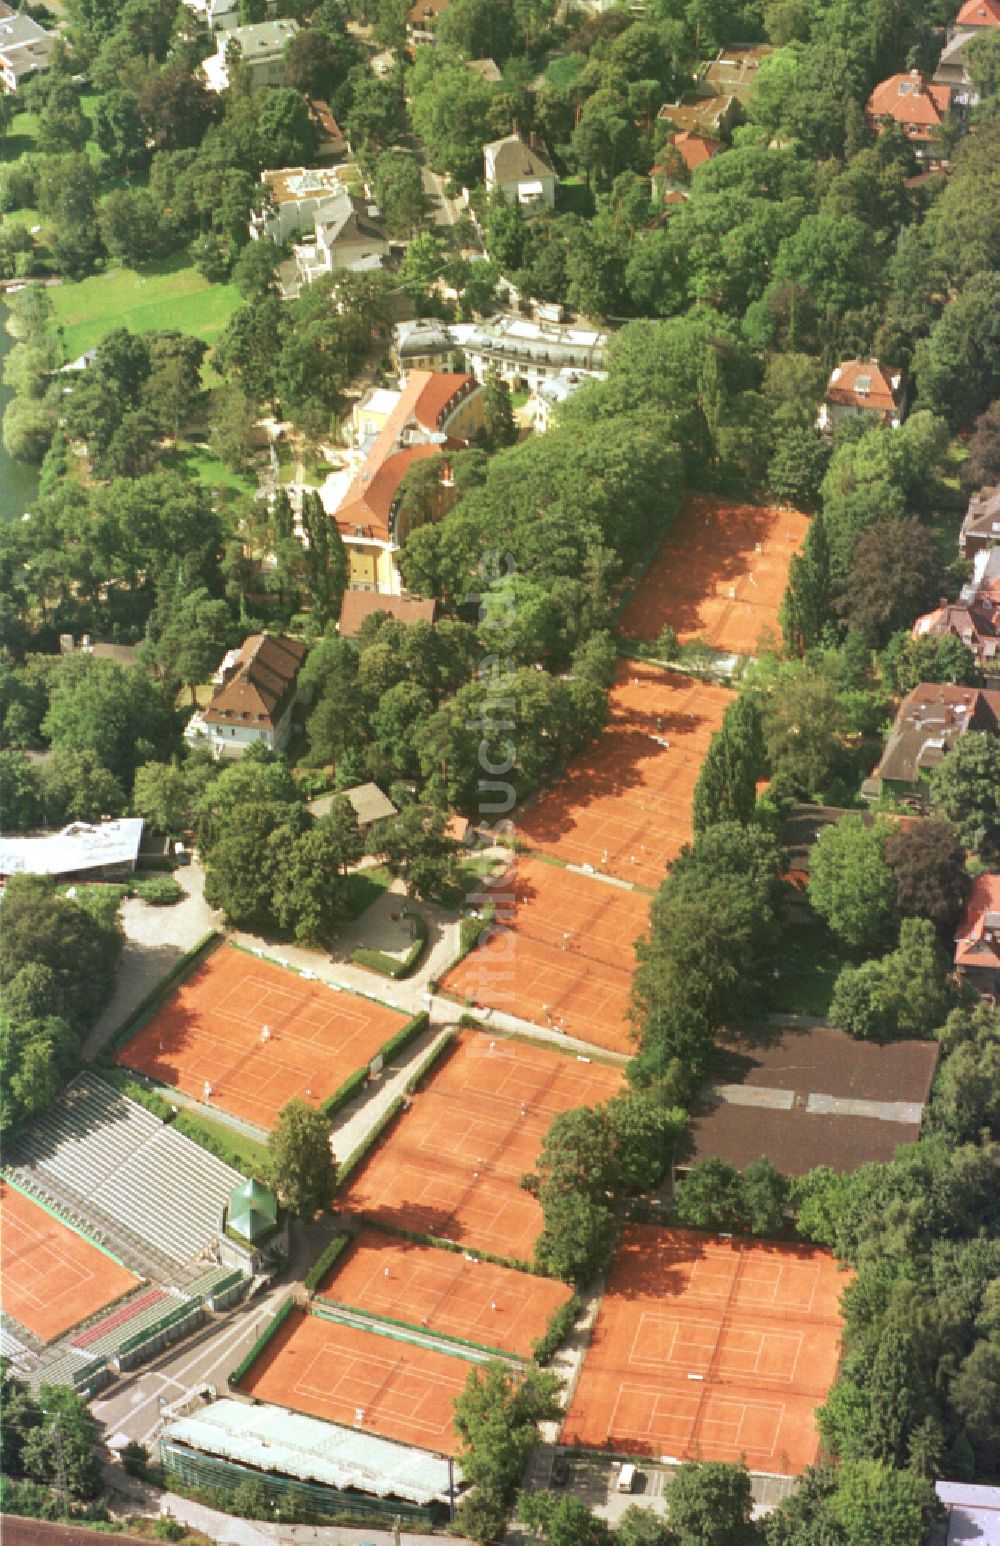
(117, 1163)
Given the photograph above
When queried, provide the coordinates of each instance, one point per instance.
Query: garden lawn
(163, 296)
(197, 461)
(811, 959)
(250, 1155)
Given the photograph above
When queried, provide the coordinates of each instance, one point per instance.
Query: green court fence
(277, 1320)
(183, 1311)
(388, 1326)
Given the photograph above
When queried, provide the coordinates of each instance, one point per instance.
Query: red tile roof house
(862, 387)
(919, 106)
(253, 701)
(981, 526)
(929, 722)
(977, 13)
(974, 617)
(977, 942)
(682, 153)
(359, 605)
(437, 411)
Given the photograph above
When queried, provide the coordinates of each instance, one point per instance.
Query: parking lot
(594, 1479)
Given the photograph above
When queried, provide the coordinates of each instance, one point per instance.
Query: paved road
(132, 1405)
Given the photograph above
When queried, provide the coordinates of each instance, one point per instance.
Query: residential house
(696, 114)
(862, 387)
(367, 801)
(224, 15)
(370, 416)
(427, 344)
(435, 412)
(82, 851)
(981, 526)
(974, 617)
(918, 105)
(733, 71)
(359, 605)
(126, 655)
(25, 49)
(681, 155)
(550, 396)
(487, 69)
(256, 690)
(332, 143)
(296, 198)
(952, 72)
(526, 353)
(421, 17)
(930, 720)
(522, 173)
(975, 14)
(977, 940)
(348, 234)
(261, 48)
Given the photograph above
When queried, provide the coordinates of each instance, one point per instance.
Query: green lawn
(811, 958)
(564, 73)
(197, 461)
(251, 1155)
(21, 137)
(164, 295)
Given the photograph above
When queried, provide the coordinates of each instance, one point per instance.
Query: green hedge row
(347, 1092)
(558, 1329)
(388, 1051)
(421, 1237)
(135, 1089)
(470, 931)
(321, 1266)
(403, 1037)
(232, 1157)
(277, 1320)
(353, 1160)
(164, 989)
(433, 1057)
(389, 966)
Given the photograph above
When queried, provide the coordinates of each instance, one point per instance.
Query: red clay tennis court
(493, 1306)
(566, 961)
(258, 1034)
(362, 1380)
(452, 1164)
(719, 575)
(624, 805)
(711, 1349)
(51, 1277)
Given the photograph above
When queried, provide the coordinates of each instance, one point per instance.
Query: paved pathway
(155, 940)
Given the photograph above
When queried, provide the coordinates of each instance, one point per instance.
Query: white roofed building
(318, 1465)
(81, 851)
(298, 197)
(261, 49)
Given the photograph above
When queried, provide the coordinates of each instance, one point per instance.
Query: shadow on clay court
(707, 552)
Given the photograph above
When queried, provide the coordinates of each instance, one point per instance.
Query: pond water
(18, 480)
